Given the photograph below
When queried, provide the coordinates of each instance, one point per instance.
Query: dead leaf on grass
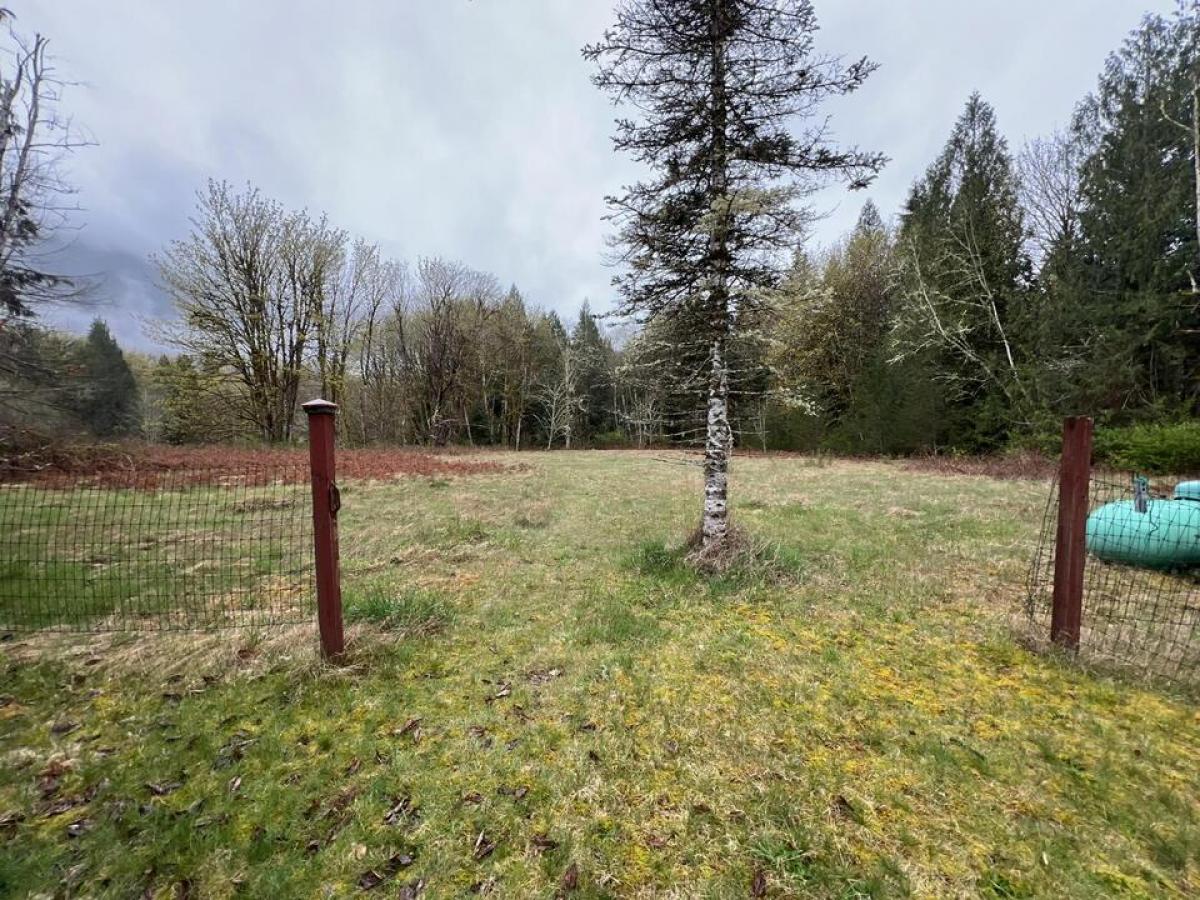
(412, 727)
(401, 810)
(543, 676)
(483, 847)
(505, 690)
(758, 884)
(79, 827)
(570, 879)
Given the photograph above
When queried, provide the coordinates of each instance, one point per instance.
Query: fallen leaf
(63, 727)
(655, 842)
(79, 827)
(355, 765)
(543, 677)
(412, 890)
(542, 842)
(570, 879)
(504, 691)
(399, 861)
(235, 784)
(412, 726)
(163, 788)
(401, 809)
(483, 847)
(473, 797)
(358, 851)
(758, 884)
(369, 879)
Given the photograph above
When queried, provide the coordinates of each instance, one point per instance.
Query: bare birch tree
(561, 402)
(959, 314)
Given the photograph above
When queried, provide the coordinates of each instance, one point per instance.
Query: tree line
(1012, 288)
(1017, 287)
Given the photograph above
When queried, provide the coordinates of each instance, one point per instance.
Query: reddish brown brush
(150, 467)
(1024, 465)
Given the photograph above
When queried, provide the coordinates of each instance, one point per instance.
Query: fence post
(1070, 543)
(326, 503)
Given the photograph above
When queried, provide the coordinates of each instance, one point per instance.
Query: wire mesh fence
(1141, 578)
(157, 550)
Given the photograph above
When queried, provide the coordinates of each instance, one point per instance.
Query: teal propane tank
(1147, 532)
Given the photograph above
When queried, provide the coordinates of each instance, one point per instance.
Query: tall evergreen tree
(108, 404)
(594, 374)
(966, 275)
(1140, 256)
(719, 85)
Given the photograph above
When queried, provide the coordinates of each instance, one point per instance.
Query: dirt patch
(151, 467)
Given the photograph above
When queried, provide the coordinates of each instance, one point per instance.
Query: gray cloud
(469, 129)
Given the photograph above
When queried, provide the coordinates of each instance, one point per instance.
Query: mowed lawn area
(542, 700)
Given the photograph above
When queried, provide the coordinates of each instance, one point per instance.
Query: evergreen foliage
(108, 401)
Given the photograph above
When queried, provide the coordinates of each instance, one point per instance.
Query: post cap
(319, 407)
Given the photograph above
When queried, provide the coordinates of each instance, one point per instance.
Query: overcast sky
(469, 129)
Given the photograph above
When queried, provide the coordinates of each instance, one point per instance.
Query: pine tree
(966, 275)
(719, 86)
(594, 374)
(1135, 289)
(108, 403)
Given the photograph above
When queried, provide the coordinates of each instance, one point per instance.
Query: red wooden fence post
(1070, 543)
(326, 503)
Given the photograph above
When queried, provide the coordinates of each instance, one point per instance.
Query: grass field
(543, 700)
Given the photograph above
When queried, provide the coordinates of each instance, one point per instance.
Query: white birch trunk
(717, 446)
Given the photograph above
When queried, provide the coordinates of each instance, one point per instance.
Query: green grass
(397, 609)
(845, 714)
(103, 558)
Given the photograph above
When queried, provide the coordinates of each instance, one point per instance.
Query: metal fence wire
(1141, 588)
(157, 550)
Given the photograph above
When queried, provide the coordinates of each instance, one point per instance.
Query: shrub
(1153, 449)
(611, 440)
